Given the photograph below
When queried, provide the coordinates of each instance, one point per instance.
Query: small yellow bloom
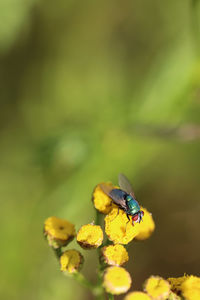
(71, 261)
(157, 287)
(176, 283)
(59, 232)
(137, 296)
(90, 236)
(118, 228)
(116, 280)
(115, 255)
(191, 288)
(146, 227)
(101, 201)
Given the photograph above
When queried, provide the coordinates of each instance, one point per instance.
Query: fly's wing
(125, 185)
(115, 194)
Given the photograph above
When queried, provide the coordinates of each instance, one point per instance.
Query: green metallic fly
(124, 198)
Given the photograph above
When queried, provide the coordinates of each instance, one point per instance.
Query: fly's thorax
(132, 204)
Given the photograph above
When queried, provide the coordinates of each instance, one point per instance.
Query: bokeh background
(89, 89)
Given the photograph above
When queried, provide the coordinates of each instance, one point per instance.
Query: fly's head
(137, 218)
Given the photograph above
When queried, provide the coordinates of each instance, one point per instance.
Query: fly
(125, 199)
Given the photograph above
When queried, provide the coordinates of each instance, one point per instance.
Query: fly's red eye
(134, 218)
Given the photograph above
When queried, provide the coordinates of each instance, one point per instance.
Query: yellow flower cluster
(115, 279)
(119, 231)
(157, 288)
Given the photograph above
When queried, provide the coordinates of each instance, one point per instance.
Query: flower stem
(58, 252)
(83, 281)
(98, 218)
(110, 297)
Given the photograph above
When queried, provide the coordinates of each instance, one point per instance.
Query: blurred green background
(90, 89)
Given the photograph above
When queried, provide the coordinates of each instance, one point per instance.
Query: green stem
(58, 252)
(110, 297)
(98, 218)
(96, 290)
(83, 281)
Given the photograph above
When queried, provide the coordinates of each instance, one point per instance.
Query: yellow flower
(90, 236)
(191, 288)
(118, 228)
(176, 283)
(146, 226)
(101, 201)
(71, 261)
(157, 287)
(59, 232)
(137, 296)
(116, 280)
(115, 255)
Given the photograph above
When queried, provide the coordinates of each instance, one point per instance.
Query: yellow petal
(71, 261)
(147, 225)
(59, 232)
(116, 280)
(118, 228)
(90, 236)
(101, 201)
(115, 255)
(157, 287)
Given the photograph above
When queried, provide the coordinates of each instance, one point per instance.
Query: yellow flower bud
(59, 232)
(102, 202)
(137, 296)
(146, 227)
(157, 288)
(191, 288)
(118, 228)
(115, 255)
(90, 236)
(116, 280)
(71, 261)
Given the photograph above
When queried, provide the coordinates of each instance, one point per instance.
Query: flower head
(176, 283)
(115, 255)
(147, 225)
(59, 232)
(118, 228)
(101, 201)
(71, 261)
(90, 236)
(157, 287)
(191, 288)
(116, 280)
(137, 296)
